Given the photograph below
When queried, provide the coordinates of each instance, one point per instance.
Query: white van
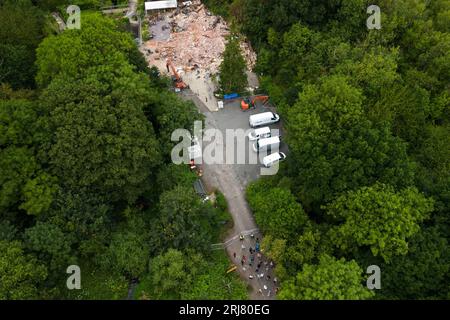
(263, 144)
(273, 158)
(262, 119)
(259, 134)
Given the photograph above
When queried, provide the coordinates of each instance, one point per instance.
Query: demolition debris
(192, 38)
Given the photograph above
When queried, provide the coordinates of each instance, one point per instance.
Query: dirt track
(232, 181)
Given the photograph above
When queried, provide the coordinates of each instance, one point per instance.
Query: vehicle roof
(269, 140)
(272, 157)
(262, 130)
(261, 115)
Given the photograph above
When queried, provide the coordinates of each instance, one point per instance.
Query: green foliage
(219, 7)
(20, 273)
(20, 33)
(232, 70)
(84, 219)
(7, 231)
(331, 279)
(184, 221)
(189, 276)
(422, 273)
(276, 211)
(75, 51)
(128, 252)
(98, 284)
(39, 193)
(379, 217)
(173, 175)
(361, 108)
(335, 148)
(18, 123)
(101, 138)
(172, 273)
(214, 284)
(221, 202)
(18, 166)
(169, 113)
(22, 180)
(50, 244)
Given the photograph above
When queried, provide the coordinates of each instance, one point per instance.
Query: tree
(183, 221)
(20, 273)
(23, 182)
(378, 217)
(169, 113)
(331, 279)
(128, 252)
(173, 175)
(422, 273)
(173, 273)
(334, 147)
(276, 211)
(232, 70)
(21, 30)
(8, 231)
(101, 139)
(75, 51)
(50, 245)
(18, 166)
(275, 249)
(213, 284)
(85, 220)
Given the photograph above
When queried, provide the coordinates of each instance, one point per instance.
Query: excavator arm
(248, 104)
(177, 79)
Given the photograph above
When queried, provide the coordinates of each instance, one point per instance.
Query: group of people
(261, 267)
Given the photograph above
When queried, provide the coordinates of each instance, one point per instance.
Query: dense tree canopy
(85, 175)
(21, 30)
(336, 148)
(276, 212)
(20, 274)
(101, 139)
(379, 217)
(331, 279)
(366, 119)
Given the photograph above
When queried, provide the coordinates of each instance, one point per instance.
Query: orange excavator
(178, 82)
(251, 104)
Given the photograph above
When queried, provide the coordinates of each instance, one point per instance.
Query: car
(273, 158)
(261, 119)
(266, 143)
(259, 134)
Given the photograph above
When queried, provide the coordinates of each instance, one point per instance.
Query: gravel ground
(232, 180)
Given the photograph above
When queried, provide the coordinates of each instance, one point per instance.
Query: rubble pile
(192, 38)
(249, 54)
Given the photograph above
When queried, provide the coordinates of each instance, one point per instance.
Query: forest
(367, 180)
(86, 176)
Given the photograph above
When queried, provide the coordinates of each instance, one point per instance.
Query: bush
(221, 202)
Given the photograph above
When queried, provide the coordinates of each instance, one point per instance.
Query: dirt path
(225, 178)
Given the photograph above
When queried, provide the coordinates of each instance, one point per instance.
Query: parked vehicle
(263, 144)
(247, 104)
(262, 119)
(260, 133)
(273, 158)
